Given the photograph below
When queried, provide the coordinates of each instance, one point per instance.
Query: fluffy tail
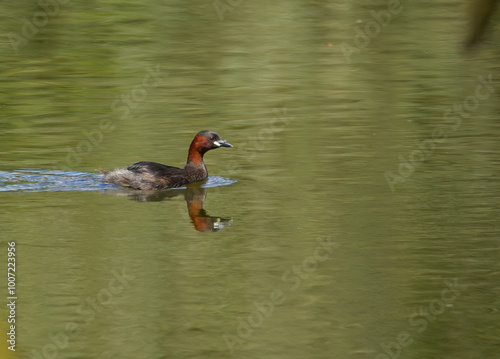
(121, 177)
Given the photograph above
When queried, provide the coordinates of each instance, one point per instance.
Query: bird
(153, 176)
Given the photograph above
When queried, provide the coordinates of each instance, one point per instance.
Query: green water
(364, 219)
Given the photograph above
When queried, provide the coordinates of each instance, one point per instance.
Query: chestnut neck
(196, 151)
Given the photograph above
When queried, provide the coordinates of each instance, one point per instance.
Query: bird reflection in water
(194, 196)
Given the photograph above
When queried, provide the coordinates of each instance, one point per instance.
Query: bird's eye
(212, 138)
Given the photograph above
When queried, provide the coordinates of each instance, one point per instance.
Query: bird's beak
(222, 143)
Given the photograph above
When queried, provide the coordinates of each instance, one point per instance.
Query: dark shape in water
(480, 13)
(152, 175)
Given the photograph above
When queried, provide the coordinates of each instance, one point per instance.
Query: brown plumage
(152, 175)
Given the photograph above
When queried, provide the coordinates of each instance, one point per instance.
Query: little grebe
(152, 175)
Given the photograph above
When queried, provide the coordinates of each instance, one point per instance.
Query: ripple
(35, 180)
(217, 181)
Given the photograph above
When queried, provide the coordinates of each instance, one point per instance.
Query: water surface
(363, 222)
